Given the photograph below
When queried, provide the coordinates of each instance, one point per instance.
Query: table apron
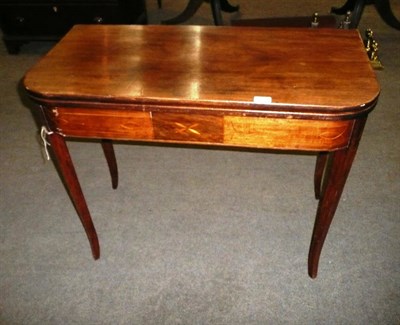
(201, 128)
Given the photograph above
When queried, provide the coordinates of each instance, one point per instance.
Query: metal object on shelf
(372, 48)
(315, 20)
(346, 22)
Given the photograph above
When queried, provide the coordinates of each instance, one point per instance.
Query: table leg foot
(333, 183)
(70, 178)
(109, 153)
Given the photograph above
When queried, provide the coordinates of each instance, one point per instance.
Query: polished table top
(301, 70)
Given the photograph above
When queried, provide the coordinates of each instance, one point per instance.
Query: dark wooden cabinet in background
(34, 20)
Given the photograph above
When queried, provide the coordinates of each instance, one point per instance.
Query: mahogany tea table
(307, 90)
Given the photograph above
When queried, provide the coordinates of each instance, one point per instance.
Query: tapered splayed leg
(320, 166)
(335, 180)
(67, 170)
(109, 153)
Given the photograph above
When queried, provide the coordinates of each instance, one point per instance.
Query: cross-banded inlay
(182, 128)
(188, 127)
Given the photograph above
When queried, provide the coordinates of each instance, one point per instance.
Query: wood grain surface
(304, 71)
